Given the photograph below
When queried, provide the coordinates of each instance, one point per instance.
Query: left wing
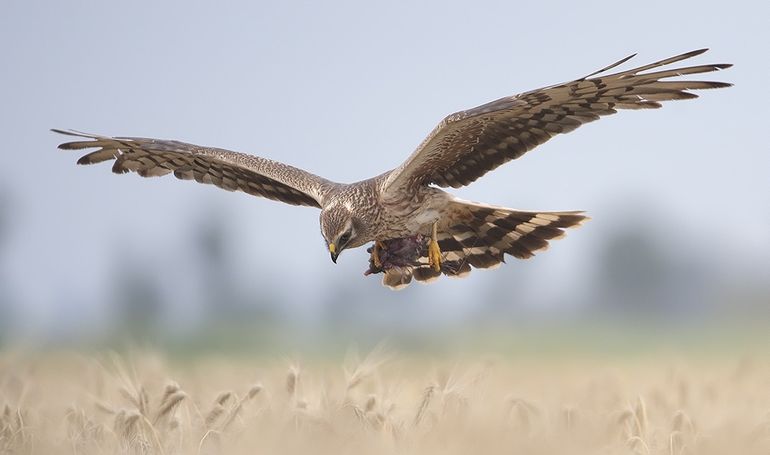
(223, 168)
(468, 144)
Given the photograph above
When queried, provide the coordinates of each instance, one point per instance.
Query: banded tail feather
(479, 236)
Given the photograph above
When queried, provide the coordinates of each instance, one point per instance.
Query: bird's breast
(412, 216)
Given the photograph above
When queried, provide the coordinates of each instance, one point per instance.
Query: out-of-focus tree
(506, 297)
(6, 308)
(645, 272)
(231, 303)
(219, 286)
(137, 296)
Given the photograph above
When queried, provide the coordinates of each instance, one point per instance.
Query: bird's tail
(473, 235)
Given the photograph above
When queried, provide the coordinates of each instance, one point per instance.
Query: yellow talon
(434, 251)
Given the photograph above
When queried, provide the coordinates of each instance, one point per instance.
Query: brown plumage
(401, 207)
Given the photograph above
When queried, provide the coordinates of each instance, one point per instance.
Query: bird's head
(339, 228)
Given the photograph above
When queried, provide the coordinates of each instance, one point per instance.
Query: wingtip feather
(696, 52)
(71, 132)
(77, 145)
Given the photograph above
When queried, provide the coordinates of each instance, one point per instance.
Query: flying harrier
(420, 231)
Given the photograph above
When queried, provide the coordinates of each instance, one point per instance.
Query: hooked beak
(333, 252)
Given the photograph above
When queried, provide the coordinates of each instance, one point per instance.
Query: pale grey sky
(347, 90)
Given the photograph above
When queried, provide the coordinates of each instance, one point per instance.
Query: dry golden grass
(383, 403)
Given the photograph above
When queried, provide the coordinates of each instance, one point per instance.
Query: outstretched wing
(223, 168)
(468, 144)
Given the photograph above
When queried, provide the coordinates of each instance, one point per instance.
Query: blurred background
(680, 197)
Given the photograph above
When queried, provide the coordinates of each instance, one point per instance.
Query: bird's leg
(434, 252)
(378, 246)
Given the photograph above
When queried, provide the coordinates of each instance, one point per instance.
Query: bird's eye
(345, 238)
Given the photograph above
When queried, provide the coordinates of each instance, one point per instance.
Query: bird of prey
(417, 230)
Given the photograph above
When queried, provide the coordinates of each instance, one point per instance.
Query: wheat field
(383, 402)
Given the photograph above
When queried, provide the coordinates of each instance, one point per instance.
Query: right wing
(468, 144)
(223, 168)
